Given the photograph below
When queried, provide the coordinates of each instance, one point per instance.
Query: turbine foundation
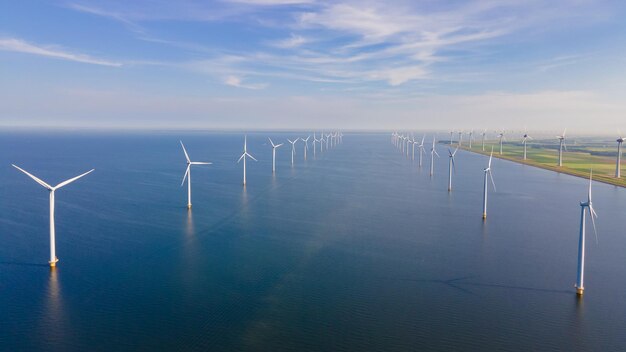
(53, 263)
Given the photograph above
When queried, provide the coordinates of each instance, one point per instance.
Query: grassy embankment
(577, 161)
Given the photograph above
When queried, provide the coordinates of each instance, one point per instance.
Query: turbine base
(579, 291)
(53, 263)
(484, 216)
(188, 206)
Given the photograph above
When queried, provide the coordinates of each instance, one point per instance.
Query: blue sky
(308, 64)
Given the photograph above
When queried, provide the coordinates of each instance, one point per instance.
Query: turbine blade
(185, 151)
(251, 157)
(72, 179)
(272, 143)
(493, 183)
(33, 177)
(593, 221)
(241, 157)
(278, 145)
(185, 175)
(200, 163)
(434, 151)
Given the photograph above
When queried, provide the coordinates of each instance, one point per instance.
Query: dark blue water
(356, 250)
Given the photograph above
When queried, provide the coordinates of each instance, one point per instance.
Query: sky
(308, 64)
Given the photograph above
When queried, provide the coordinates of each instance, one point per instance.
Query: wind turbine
(524, 139)
(243, 156)
(322, 142)
(306, 145)
(293, 148)
(581, 240)
(484, 134)
(501, 136)
(315, 140)
(562, 145)
(421, 150)
(414, 143)
(618, 172)
(451, 134)
(487, 170)
(460, 138)
(450, 167)
(471, 136)
(328, 140)
(53, 258)
(187, 175)
(274, 147)
(433, 152)
(408, 142)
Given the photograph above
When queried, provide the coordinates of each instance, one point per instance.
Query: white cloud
(235, 81)
(18, 45)
(292, 42)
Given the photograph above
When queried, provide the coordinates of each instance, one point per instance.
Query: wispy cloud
(18, 45)
(235, 81)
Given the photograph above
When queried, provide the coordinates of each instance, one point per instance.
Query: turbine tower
(618, 172)
(487, 171)
(451, 166)
(581, 240)
(451, 136)
(306, 145)
(187, 175)
(524, 140)
(433, 152)
(53, 257)
(293, 148)
(244, 156)
(460, 138)
(562, 145)
(274, 147)
(471, 136)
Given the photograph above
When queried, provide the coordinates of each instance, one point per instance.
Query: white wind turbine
(451, 136)
(421, 150)
(315, 140)
(53, 258)
(484, 134)
(524, 140)
(451, 166)
(243, 156)
(471, 136)
(306, 145)
(562, 145)
(293, 148)
(460, 138)
(487, 170)
(322, 140)
(581, 240)
(413, 143)
(618, 165)
(433, 152)
(187, 175)
(408, 142)
(274, 147)
(328, 140)
(501, 136)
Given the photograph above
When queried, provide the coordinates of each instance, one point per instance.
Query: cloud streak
(21, 46)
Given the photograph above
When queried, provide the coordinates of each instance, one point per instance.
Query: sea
(356, 248)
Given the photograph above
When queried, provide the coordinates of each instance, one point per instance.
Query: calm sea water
(355, 250)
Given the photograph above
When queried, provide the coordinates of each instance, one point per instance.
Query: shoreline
(563, 170)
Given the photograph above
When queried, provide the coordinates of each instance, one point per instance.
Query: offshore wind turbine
(524, 140)
(581, 240)
(421, 150)
(328, 140)
(408, 142)
(487, 170)
(618, 166)
(322, 142)
(451, 136)
(306, 145)
(244, 157)
(413, 144)
(293, 148)
(460, 138)
(274, 147)
(450, 167)
(562, 145)
(187, 175)
(433, 152)
(471, 136)
(315, 140)
(53, 258)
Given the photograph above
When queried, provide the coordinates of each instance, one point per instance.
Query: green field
(598, 155)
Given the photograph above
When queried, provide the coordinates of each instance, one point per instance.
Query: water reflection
(54, 318)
